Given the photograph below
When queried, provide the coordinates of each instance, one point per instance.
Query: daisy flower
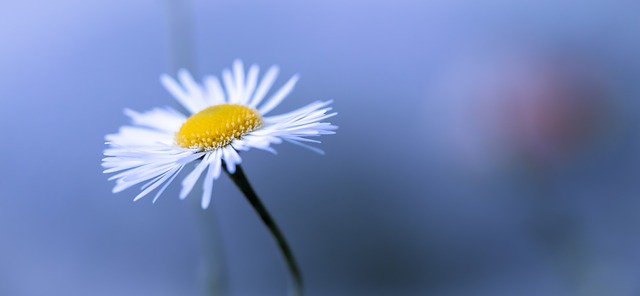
(223, 119)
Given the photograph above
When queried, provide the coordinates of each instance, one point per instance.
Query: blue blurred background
(484, 148)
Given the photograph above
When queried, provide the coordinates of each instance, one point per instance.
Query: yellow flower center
(217, 126)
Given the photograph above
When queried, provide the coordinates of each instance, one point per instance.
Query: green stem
(243, 184)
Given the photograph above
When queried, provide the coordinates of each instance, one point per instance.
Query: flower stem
(243, 184)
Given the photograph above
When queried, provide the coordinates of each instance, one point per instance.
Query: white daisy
(160, 142)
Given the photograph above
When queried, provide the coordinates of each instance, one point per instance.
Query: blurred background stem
(181, 54)
(211, 272)
(180, 45)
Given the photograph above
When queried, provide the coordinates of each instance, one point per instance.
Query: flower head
(224, 118)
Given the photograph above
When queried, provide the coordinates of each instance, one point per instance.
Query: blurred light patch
(524, 106)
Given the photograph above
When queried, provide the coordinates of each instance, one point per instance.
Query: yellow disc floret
(217, 126)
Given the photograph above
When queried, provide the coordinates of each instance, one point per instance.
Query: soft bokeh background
(484, 148)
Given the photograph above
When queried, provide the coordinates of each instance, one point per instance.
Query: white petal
(231, 158)
(214, 90)
(238, 74)
(277, 98)
(191, 179)
(264, 86)
(252, 80)
(157, 183)
(293, 127)
(212, 174)
(229, 85)
(182, 96)
(300, 111)
(150, 168)
(136, 136)
(141, 174)
(195, 91)
(314, 149)
(166, 184)
(262, 143)
(164, 119)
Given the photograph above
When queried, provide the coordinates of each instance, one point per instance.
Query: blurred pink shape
(526, 107)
